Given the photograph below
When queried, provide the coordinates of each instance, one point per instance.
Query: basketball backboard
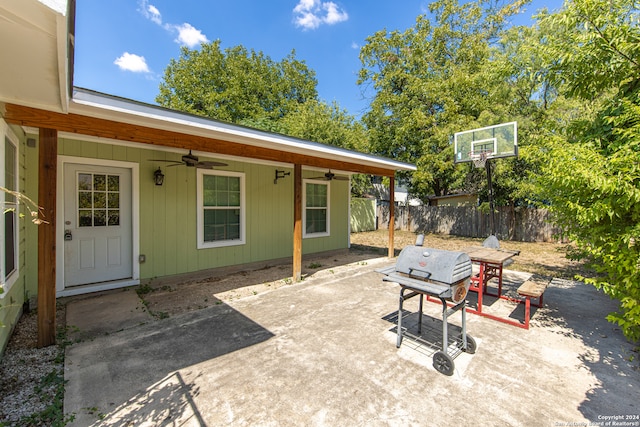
(489, 142)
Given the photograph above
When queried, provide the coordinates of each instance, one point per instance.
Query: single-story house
(119, 188)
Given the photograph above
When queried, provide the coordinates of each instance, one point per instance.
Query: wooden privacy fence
(521, 224)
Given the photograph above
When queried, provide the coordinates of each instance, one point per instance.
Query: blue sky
(123, 46)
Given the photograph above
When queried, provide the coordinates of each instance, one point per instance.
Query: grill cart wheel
(443, 363)
(471, 345)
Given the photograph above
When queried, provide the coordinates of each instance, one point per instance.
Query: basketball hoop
(479, 159)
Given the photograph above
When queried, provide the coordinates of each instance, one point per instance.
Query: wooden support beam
(297, 222)
(392, 216)
(47, 169)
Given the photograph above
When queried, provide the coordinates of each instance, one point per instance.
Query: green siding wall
(26, 285)
(167, 217)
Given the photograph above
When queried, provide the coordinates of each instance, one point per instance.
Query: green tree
(329, 124)
(249, 88)
(236, 84)
(431, 81)
(591, 171)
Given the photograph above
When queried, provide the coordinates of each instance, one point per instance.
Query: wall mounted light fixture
(280, 175)
(158, 177)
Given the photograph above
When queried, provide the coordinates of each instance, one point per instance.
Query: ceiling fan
(331, 176)
(191, 160)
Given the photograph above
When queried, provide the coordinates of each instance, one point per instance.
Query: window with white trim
(315, 215)
(221, 208)
(10, 210)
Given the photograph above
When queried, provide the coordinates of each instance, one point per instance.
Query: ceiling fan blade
(330, 176)
(322, 178)
(210, 163)
(162, 160)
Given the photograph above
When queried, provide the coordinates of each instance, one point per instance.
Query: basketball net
(480, 159)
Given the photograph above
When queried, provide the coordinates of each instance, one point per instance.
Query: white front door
(97, 224)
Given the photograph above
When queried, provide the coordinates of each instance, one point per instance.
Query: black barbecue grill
(438, 273)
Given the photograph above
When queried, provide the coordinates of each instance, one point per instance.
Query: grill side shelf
(417, 284)
(386, 270)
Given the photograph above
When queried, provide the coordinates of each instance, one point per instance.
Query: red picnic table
(490, 262)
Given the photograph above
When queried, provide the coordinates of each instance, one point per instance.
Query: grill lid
(434, 264)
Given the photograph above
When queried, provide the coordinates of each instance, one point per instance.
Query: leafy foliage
(591, 172)
(249, 88)
(572, 84)
(434, 80)
(236, 84)
(329, 124)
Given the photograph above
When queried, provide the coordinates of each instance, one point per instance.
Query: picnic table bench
(534, 287)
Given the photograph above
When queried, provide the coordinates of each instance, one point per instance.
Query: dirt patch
(163, 300)
(546, 259)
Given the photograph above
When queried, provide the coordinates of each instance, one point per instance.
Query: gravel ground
(31, 378)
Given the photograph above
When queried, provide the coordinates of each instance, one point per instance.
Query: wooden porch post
(47, 169)
(297, 222)
(392, 215)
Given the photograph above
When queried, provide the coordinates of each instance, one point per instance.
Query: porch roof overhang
(96, 114)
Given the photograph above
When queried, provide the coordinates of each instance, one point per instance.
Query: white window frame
(304, 209)
(6, 133)
(200, 210)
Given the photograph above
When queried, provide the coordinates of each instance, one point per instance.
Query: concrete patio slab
(109, 312)
(322, 353)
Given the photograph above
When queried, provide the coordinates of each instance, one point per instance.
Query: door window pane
(114, 217)
(85, 182)
(99, 218)
(99, 182)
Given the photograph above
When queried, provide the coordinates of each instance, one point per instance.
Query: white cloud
(154, 14)
(190, 36)
(132, 62)
(334, 14)
(150, 12)
(310, 14)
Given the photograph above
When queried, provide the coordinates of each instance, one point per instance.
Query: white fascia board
(113, 108)
(59, 6)
(62, 44)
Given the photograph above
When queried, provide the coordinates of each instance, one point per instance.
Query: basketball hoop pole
(492, 219)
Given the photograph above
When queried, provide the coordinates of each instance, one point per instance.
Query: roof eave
(94, 104)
